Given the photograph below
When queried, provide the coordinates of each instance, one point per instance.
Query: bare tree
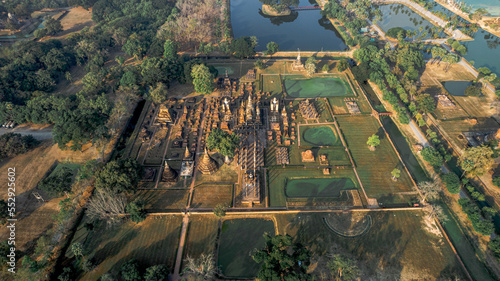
(437, 212)
(107, 206)
(429, 189)
(203, 267)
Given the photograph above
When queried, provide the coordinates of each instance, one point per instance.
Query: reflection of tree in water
(327, 24)
(281, 19)
(492, 41)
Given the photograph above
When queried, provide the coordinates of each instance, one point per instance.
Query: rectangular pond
(307, 30)
(399, 15)
(316, 87)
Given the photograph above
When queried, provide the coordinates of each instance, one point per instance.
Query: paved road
(39, 134)
(418, 134)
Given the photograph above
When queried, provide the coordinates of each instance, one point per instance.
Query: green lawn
(374, 167)
(201, 236)
(314, 187)
(316, 87)
(239, 238)
(323, 135)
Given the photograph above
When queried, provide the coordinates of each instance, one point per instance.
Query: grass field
(271, 84)
(151, 242)
(318, 135)
(314, 187)
(374, 167)
(239, 238)
(208, 196)
(316, 87)
(201, 235)
(279, 177)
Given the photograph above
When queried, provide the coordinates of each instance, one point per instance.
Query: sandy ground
(75, 20)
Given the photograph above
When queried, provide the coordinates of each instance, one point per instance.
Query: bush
(494, 246)
(480, 225)
(452, 182)
(473, 91)
(394, 32)
(342, 65)
(496, 181)
(129, 271)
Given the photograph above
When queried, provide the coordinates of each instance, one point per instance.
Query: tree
(118, 176)
(58, 182)
(343, 268)
(437, 212)
(129, 78)
(473, 90)
(496, 181)
(272, 48)
(373, 141)
(259, 64)
(242, 47)
(494, 246)
(220, 211)
(77, 249)
(12, 144)
(429, 189)
(170, 50)
(136, 210)
(282, 260)
(452, 182)
(202, 79)
(159, 94)
(432, 156)
(204, 266)
(396, 173)
(94, 83)
(107, 206)
(478, 14)
(476, 161)
(52, 25)
(129, 271)
(426, 103)
(342, 65)
(156, 273)
(325, 68)
(396, 32)
(311, 65)
(223, 142)
(40, 33)
(66, 274)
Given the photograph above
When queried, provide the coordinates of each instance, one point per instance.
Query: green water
(316, 87)
(319, 136)
(317, 187)
(456, 88)
(492, 6)
(238, 240)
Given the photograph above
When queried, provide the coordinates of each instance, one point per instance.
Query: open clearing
(151, 242)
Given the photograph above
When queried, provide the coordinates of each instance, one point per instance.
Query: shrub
(58, 182)
(496, 181)
(480, 225)
(452, 182)
(136, 211)
(473, 91)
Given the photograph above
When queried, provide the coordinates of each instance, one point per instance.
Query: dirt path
(180, 250)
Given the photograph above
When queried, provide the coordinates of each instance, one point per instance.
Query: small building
(250, 74)
(307, 156)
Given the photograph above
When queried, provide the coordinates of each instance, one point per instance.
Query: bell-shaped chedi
(169, 174)
(207, 165)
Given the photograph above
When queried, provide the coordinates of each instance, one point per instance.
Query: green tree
(203, 80)
(343, 268)
(452, 182)
(77, 249)
(156, 273)
(118, 176)
(311, 65)
(223, 142)
(129, 78)
(170, 50)
(40, 33)
(220, 211)
(496, 181)
(136, 210)
(159, 94)
(94, 83)
(242, 47)
(396, 173)
(476, 161)
(373, 141)
(272, 48)
(282, 260)
(12, 144)
(135, 46)
(325, 68)
(52, 25)
(129, 271)
(342, 65)
(57, 182)
(259, 64)
(432, 156)
(494, 246)
(473, 90)
(426, 103)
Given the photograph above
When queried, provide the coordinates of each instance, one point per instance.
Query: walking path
(418, 134)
